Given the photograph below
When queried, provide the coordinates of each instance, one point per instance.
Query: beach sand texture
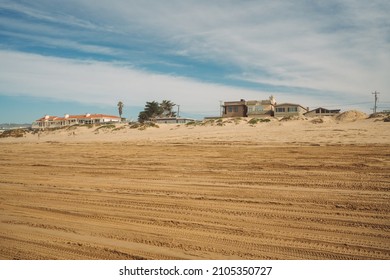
(277, 190)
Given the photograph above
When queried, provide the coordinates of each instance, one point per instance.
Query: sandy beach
(224, 189)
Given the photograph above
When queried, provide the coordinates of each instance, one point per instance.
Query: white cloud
(340, 47)
(103, 83)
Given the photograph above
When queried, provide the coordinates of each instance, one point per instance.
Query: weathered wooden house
(234, 109)
(319, 112)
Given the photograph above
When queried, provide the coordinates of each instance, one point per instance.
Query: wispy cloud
(51, 42)
(94, 82)
(50, 12)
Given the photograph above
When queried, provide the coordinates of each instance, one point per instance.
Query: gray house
(319, 112)
(289, 109)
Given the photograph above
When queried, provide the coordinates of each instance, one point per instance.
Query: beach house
(234, 109)
(319, 112)
(261, 108)
(67, 120)
(289, 109)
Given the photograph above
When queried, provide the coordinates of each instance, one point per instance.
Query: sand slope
(324, 131)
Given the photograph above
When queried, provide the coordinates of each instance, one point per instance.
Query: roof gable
(322, 108)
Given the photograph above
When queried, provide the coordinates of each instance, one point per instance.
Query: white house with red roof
(67, 120)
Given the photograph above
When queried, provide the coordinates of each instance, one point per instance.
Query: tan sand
(309, 131)
(277, 190)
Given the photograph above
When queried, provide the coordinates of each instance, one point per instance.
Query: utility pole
(220, 108)
(178, 110)
(376, 99)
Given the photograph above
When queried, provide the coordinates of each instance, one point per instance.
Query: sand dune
(277, 190)
(326, 130)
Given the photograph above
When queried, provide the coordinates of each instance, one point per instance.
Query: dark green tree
(120, 108)
(143, 116)
(153, 109)
(167, 107)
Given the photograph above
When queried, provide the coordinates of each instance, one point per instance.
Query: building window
(292, 109)
(280, 110)
(259, 108)
(230, 109)
(236, 109)
(250, 109)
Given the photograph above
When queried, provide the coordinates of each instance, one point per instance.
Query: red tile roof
(86, 116)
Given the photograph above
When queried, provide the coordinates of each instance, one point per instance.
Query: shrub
(152, 124)
(13, 133)
(74, 126)
(256, 121)
(237, 120)
(317, 120)
(107, 126)
(118, 128)
(191, 123)
(143, 126)
(253, 121)
(135, 125)
(210, 122)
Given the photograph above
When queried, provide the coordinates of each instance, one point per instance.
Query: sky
(83, 56)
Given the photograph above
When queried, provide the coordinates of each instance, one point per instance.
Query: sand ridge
(351, 129)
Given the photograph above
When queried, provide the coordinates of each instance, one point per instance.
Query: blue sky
(79, 56)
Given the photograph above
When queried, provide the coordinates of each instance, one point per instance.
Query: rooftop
(85, 116)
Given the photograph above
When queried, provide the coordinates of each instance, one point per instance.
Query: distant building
(319, 112)
(289, 109)
(257, 108)
(54, 121)
(251, 108)
(234, 109)
(172, 120)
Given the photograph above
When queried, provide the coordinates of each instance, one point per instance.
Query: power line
(376, 99)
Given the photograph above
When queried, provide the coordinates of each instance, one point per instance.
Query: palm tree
(120, 108)
(153, 109)
(167, 107)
